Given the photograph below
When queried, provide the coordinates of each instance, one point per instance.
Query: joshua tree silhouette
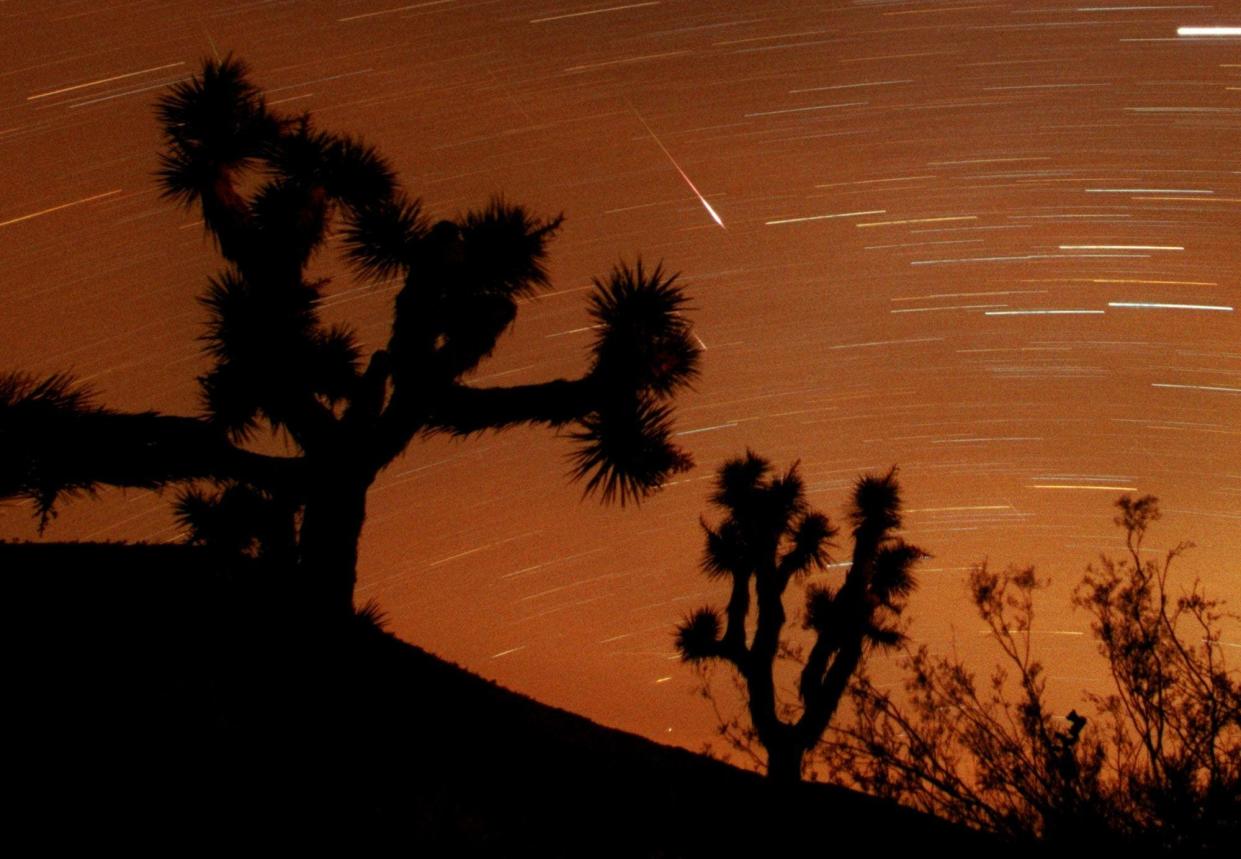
(768, 538)
(270, 188)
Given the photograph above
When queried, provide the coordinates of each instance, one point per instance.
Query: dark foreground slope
(161, 700)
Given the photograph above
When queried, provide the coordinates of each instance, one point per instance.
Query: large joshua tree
(768, 538)
(271, 188)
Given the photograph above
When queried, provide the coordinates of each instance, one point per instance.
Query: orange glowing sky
(912, 194)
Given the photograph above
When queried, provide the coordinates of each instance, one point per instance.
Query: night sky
(994, 243)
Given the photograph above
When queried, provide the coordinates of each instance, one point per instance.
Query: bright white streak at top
(1121, 248)
(1146, 191)
(710, 211)
(1133, 8)
(1217, 388)
(1208, 31)
(1155, 305)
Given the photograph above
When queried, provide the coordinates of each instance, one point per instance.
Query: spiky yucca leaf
(739, 481)
(893, 579)
(821, 609)
(271, 353)
(231, 399)
(347, 170)
(643, 340)
(355, 174)
(214, 123)
(876, 502)
(763, 510)
(291, 220)
(56, 393)
(729, 550)
(36, 417)
(336, 359)
(698, 635)
(236, 519)
(883, 637)
(783, 504)
(381, 239)
(219, 520)
(505, 250)
(372, 616)
(811, 538)
(254, 323)
(626, 453)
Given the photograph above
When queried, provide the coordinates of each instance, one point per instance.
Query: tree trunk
(328, 541)
(784, 762)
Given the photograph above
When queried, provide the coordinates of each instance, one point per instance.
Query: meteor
(710, 211)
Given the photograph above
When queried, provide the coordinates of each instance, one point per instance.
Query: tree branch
(464, 409)
(45, 455)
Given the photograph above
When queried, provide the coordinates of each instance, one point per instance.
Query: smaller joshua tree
(768, 538)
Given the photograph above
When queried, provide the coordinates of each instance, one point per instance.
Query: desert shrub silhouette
(1156, 767)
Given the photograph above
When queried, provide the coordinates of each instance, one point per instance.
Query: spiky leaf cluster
(383, 236)
(625, 452)
(768, 530)
(272, 356)
(236, 519)
(876, 502)
(215, 123)
(36, 414)
(463, 282)
(347, 170)
(871, 604)
(642, 354)
(643, 339)
(698, 635)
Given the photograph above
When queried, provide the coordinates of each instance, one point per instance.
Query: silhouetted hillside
(159, 694)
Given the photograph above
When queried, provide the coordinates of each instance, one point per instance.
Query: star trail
(993, 243)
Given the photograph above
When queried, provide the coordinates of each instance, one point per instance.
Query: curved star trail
(994, 243)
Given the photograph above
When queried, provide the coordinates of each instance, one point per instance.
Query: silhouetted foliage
(768, 538)
(270, 188)
(1157, 768)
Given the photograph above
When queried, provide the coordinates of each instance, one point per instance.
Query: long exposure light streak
(710, 211)
(51, 209)
(1158, 305)
(1208, 31)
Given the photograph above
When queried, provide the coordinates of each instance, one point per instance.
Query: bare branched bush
(1157, 766)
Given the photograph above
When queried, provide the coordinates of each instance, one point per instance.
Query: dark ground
(163, 703)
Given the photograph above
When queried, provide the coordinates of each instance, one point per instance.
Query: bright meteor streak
(714, 216)
(1208, 31)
